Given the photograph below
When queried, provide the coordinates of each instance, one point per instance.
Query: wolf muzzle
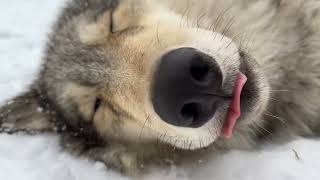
(188, 88)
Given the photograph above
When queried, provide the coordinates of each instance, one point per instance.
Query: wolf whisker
(276, 117)
(199, 20)
(144, 124)
(158, 37)
(227, 27)
(220, 16)
(280, 90)
(184, 13)
(261, 127)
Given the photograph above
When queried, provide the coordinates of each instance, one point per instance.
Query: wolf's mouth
(246, 95)
(234, 110)
(253, 88)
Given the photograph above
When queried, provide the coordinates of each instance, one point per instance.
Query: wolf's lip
(234, 111)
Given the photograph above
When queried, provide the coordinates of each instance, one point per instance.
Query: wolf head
(144, 71)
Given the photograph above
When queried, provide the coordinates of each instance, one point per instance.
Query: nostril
(199, 70)
(190, 112)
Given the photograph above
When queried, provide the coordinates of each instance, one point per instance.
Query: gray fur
(282, 35)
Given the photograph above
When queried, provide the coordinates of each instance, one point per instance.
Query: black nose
(186, 87)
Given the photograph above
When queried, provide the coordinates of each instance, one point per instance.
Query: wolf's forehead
(98, 7)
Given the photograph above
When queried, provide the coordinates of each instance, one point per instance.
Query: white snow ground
(23, 26)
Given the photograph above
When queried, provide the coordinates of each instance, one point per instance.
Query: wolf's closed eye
(112, 29)
(97, 104)
(122, 18)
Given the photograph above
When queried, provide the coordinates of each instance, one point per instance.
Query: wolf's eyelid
(97, 104)
(111, 25)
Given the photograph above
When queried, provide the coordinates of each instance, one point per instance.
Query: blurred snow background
(23, 28)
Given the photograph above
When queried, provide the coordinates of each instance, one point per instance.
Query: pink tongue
(234, 109)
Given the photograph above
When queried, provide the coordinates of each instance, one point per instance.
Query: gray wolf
(134, 83)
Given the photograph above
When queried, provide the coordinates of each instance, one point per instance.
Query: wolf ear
(24, 114)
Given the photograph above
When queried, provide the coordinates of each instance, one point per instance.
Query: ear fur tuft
(24, 114)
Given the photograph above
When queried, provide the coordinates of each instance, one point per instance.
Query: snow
(23, 28)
